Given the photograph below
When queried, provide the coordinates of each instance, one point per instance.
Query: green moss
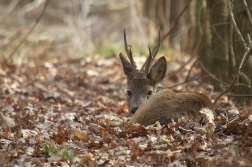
(50, 148)
(68, 153)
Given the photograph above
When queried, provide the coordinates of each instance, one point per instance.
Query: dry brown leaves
(73, 113)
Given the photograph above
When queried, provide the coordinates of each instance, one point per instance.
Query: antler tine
(129, 52)
(154, 53)
(125, 43)
(147, 63)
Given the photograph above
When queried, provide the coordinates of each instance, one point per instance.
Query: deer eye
(150, 92)
(128, 93)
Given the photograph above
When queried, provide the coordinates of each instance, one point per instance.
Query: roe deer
(163, 106)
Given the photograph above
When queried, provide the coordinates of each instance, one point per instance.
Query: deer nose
(133, 110)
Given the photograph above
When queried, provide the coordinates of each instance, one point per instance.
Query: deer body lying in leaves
(148, 105)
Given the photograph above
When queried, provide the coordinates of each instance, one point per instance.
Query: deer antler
(152, 55)
(147, 63)
(129, 53)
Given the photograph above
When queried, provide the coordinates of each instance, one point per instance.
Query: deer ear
(158, 71)
(127, 68)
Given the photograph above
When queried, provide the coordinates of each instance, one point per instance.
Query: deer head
(142, 83)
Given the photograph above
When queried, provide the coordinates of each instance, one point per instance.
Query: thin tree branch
(231, 49)
(245, 58)
(194, 54)
(247, 10)
(176, 22)
(217, 34)
(210, 74)
(180, 68)
(238, 95)
(8, 9)
(242, 65)
(25, 38)
(195, 77)
(235, 26)
(189, 72)
(171, 29)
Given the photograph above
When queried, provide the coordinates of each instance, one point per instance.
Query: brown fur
(166, 105)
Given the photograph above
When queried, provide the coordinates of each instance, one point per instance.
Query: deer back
(166, 105)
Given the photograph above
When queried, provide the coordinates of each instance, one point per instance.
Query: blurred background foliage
(86, 27)
(81, 28)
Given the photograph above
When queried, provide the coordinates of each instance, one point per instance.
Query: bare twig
(189, 72)
(192, 57)
(225, 116)
(25, 38)
(238, 95)
(210, 74)
(245, 58)
(185, 81)
(202, 66)
(217, 34)
(169, 32)
(228, 120)
(242, 65)
(231, 49)
(176, 22)
(235, 26)
(180, 68)
(7, 10)
(248, 13)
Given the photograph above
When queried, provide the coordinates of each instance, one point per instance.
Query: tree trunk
(243, 87)
(218, 59)
(226, 49)
(164, 13)
(202, 35)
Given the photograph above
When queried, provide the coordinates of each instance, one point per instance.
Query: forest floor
(59, 111)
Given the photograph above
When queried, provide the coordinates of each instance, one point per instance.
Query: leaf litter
(71, 112)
